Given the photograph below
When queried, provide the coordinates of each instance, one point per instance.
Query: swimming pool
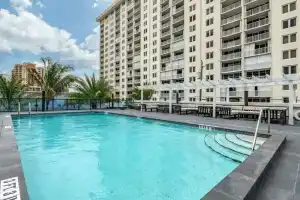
(97, 156)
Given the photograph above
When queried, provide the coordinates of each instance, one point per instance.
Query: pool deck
(281, 183)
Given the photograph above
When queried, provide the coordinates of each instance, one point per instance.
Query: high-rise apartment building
(26, 72)
(172, 41)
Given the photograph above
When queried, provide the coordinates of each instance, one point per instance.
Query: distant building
(27, 73)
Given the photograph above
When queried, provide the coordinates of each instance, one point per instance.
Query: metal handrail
(257, 126)
(256, 130)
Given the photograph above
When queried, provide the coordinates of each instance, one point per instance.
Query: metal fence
(36, 104)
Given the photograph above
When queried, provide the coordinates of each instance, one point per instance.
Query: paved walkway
(283, 179)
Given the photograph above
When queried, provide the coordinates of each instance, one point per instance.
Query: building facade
(179, 41)
(26, 73)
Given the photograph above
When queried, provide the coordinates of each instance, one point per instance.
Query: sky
(65, 30)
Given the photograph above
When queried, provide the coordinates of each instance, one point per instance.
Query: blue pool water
(109, 157)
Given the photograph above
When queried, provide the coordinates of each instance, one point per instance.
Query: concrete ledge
(243, 182)
(10, 162)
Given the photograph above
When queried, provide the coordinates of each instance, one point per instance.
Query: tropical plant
(11, 90)
(57, 79)
(137, 93)
(91, 88)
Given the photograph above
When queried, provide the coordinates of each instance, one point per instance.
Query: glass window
(286, 70)
(293, 53)
(285, 39)
(285, 24)
(293, 37)
(285, 87)
(293, 22)
(285, 55)
(293, 69)
(285, 8)
(293, 6)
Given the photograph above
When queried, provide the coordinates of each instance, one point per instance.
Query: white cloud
(40, 4)
(21, 4)
(26, 32)
(92, 41)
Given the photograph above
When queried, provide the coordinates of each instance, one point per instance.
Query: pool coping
(241, 183)
(10, 162)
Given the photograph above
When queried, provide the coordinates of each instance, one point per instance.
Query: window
(209, 66)
(192, 48)
(209, 10)
(192, 59)
(192, 38)
(193, 69)
(209, 55)
(289, 54)
(209, 1)
(289, 23)
(192, 7)
(292, 69)
(209, 44)
(285, 100)
(192, 28)
(289, 38)
(192, 18)
(209, 33)
(289, 7)
(209, 21)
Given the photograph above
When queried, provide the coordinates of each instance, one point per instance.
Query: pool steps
(236, 147)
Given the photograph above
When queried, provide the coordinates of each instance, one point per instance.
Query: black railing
(36, 104)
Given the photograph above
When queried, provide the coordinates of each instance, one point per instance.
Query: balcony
(178, 10)
(257, 24)
(231, 31)
(178, 76)
(165, 33)
(178, 38)
(164, 1)
(257, 10)
(232, 68)
(177, 1)
(165, 51)
(231, 19)
(163, 9)
(165, 60)
(137, 74)
(231, 44)
(231, 7)
(178, 57)
(137, 38)
(178, 19)
(260, 93)
(165, 16)
(259, 51)
(166, 42)
(231, 56)
(165, 25)
(258, 37)
(179, 28)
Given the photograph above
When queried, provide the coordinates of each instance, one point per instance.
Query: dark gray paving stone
(216, 195)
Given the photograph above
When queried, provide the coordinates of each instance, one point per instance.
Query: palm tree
(11, 90)
(136, 94)
(91, 88)
(57, 79)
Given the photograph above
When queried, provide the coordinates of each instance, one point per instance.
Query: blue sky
(65, 30)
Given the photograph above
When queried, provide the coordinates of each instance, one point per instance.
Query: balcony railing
(258, 9)
(165, 16)
(231, 31)
(257, 23)
(178, 76)
(165, 60)
(165, 8)
(231, 19)
(231, 68)
(249, 1)
(231, 7)
(164, 1)
(258, 37)
(178, 19)
(178, 38)
(232, 56)
(176, 1)
(166, 42)
(166, 33)
(165, 51)
(178, 57)
(178, 10)
(166, 25)
(258, 51)
(178, 28)
(231, 44)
